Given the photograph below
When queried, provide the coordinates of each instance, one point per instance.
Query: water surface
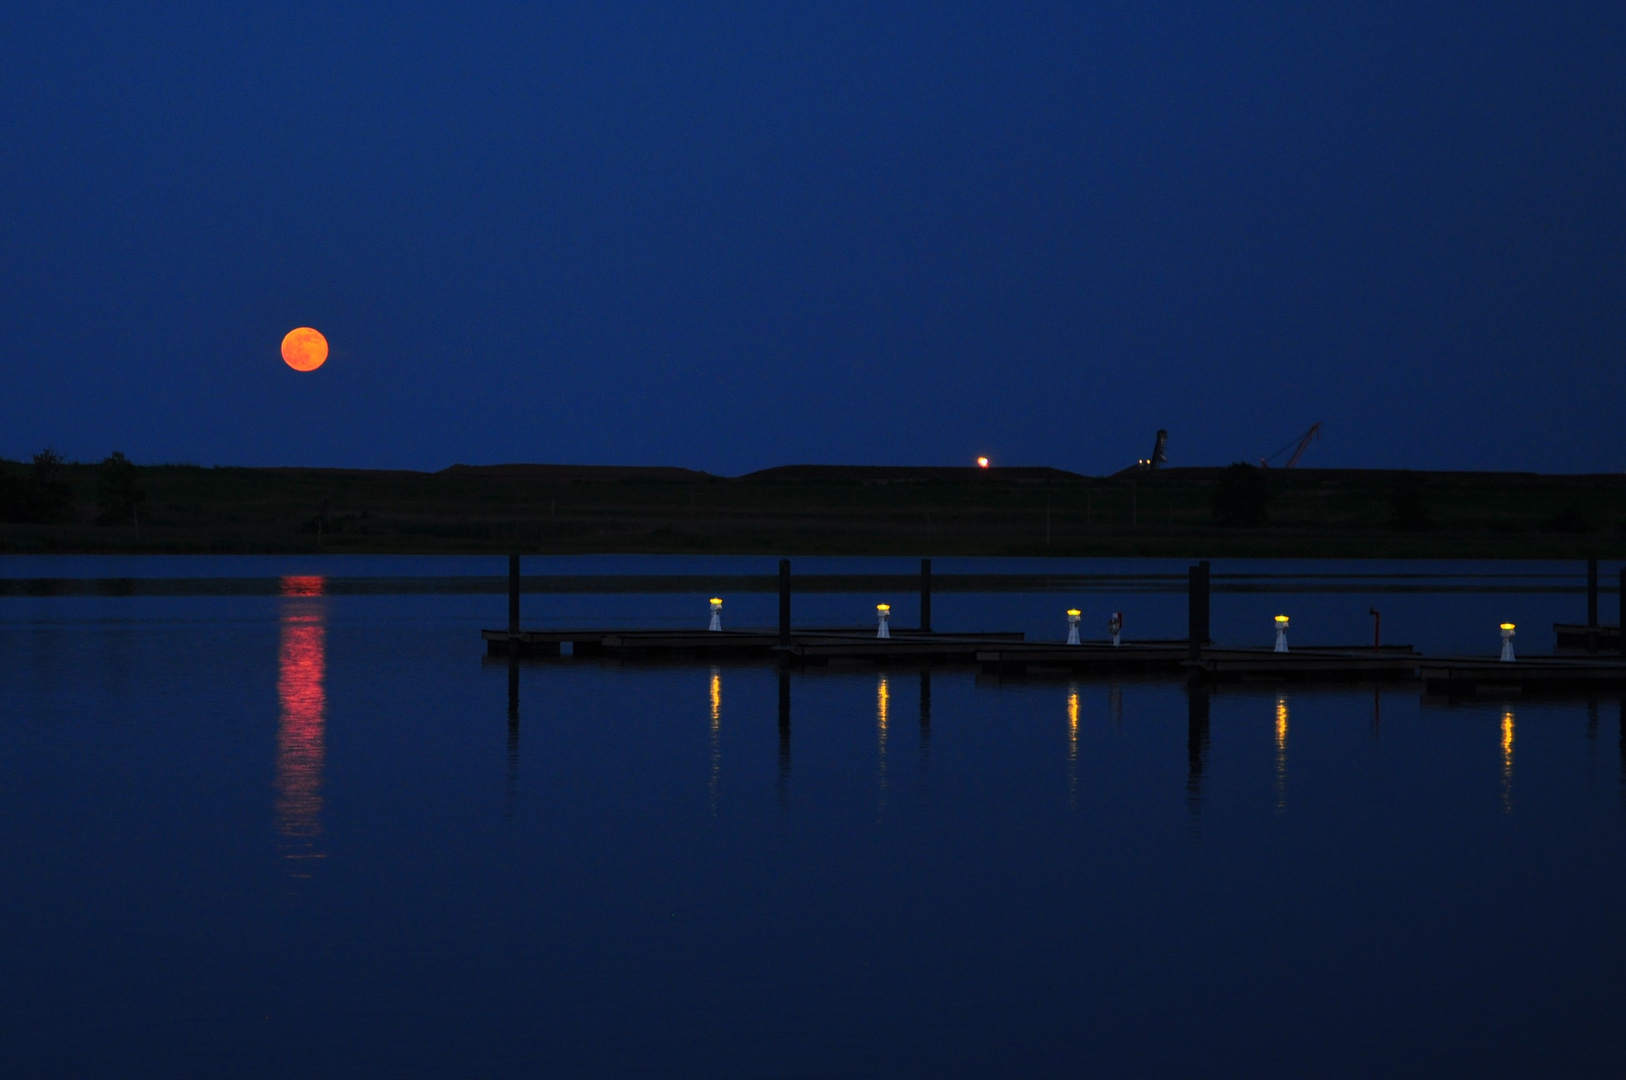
(305, 832)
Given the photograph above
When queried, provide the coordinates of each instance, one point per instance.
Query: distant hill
(569, 473)
(873, 474)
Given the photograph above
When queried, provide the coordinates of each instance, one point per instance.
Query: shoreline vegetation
(53, 506)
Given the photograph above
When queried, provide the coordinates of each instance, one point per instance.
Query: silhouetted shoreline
(857, 510)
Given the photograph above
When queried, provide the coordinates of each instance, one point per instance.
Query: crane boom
(1304, 444)
(1298, 446)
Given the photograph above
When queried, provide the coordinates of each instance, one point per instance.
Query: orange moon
(304, 349)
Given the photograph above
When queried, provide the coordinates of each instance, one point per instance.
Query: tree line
(43, 494)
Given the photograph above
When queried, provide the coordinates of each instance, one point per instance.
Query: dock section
(1010, 654)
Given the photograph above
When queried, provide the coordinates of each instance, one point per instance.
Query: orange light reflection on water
(301, 736)
(1072, 746)
(883, 707)
(716, 731)
(1507, 761)
(1281, 754)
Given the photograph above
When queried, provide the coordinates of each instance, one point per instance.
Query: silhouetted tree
(1407, 510)
(48, 494)
(121, 495)
(1242, 497)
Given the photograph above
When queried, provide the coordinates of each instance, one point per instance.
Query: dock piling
(1197, 610)
(784, 602)
(1592, 605)
(1592, 594)
(925, 596)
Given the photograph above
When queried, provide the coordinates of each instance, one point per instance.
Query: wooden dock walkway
(1011, 654)
(1486, 675)
(715, 643)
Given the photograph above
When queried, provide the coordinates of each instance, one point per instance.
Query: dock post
(926, 596)
(513, 605)
(1208, 637)
(1591, 605)
(1592, 594)
(1197, 610)
(784, 601)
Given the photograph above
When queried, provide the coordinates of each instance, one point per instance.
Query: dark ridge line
(743, 583)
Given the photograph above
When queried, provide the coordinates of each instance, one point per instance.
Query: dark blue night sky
(734, 235)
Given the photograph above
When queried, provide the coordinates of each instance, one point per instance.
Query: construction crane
(1298, 446)
(1159, 455)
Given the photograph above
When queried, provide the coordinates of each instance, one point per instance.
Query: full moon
(304, 349)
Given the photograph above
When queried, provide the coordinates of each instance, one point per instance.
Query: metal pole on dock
(926, 595)
(1623, 611)
(1592, 605)
(784, 610)
(1197, 610)
(513, 605)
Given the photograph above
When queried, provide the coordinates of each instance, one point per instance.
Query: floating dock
(1479, 675)
(1209, 663)
(859, 641)
(1009, 653)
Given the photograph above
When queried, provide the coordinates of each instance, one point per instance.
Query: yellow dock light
(1281, 633)
(716, 613)
(1073, 615)
(1507, 642)
(882, 613)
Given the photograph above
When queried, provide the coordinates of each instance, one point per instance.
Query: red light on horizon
(982, 463)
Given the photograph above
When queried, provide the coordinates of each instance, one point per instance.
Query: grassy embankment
(834, 510)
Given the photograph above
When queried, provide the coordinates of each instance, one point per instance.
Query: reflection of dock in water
(1205, 668)
(1274, 710)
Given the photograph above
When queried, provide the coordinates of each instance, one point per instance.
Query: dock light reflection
(1072, 746)
(716, 736)
(1281, 755)
(1507, 761)
(883, 704)
(301, 735)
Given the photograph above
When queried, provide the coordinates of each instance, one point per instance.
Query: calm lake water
(287, 825)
